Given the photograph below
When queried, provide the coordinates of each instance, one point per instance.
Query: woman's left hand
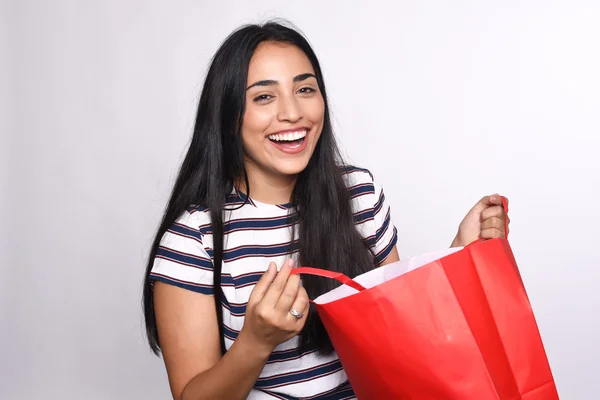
(485, 220)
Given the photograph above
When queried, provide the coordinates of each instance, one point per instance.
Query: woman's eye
(262, 98)
(306, 90)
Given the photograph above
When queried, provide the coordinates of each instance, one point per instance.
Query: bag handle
(505, 206)
(355, 285)
(329, 274)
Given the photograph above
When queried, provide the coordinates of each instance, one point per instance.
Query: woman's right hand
(268, 321)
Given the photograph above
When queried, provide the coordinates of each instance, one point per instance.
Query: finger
(301, 304)
(492, 212)
(288, 295)
(274, 291)
(493, 223)
(263, 283)
(492, 200)
(492, 233)
(485, 202)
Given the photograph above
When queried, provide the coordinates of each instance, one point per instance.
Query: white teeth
(288, 136)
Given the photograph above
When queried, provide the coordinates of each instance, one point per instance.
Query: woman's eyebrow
(303, 77)
(270, 82)
(266, 82)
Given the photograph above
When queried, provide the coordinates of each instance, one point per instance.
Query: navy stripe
(345, 395)
(288, 355)
(278, 395)
(194, 287)
(370, 241)
(184, 258)
(299, 376)
(247, 279)
(364, 215)
(243, 197)
(382, 255)
(337, 394)
(256, 223)
(284, 355)
(196, 208)
(236, 198)
(236, 310)
(276, 356)
(379, 203)
(230, 333)
(359, 190)
(205, 229)
(348, 169)
(343, 391)
(260, 251)
(182, 230)
(227, 280)
(244, 224)
(383, 227)
(245, 228)
(341, 395)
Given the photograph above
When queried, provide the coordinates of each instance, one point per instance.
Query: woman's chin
(290, 167)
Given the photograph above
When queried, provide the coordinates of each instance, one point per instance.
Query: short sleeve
(386, 234)
(181, 258)
(372, 213)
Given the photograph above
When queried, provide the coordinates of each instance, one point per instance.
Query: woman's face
(284, 110)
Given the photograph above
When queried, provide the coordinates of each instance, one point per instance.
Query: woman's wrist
(250, 345)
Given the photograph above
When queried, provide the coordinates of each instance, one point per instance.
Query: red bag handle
(505, 205)
(355, 285)
(329, 274)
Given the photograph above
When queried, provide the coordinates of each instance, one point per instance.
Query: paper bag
(451, 325)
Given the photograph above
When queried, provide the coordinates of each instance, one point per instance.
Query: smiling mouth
(290, 139)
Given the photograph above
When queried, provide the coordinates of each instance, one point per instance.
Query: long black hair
(327, 235)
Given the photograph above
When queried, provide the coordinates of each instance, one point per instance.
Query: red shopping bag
(457, 326)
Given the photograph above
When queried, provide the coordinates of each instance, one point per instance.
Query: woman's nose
(289, 109)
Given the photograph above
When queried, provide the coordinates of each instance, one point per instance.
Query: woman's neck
(268, 188)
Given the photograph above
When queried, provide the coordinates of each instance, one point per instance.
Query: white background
(444, 101)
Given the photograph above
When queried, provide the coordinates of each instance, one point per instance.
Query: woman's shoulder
(194, 217)
(199, 216)
(356, 176)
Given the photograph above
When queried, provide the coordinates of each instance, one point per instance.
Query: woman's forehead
(278, 61)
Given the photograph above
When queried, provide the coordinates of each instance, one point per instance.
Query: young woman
(263, 188)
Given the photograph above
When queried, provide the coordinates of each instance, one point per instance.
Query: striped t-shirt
(254, 235)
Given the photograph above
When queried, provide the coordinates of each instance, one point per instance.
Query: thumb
(263, 283)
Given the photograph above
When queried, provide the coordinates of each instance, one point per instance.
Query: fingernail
(291, 262)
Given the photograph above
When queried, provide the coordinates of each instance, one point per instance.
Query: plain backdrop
(444, 101)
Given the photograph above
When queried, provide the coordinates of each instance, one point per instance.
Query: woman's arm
(392, 257)
(189, 340)
(189, 336)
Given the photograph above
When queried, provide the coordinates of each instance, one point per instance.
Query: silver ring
(296, 313)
